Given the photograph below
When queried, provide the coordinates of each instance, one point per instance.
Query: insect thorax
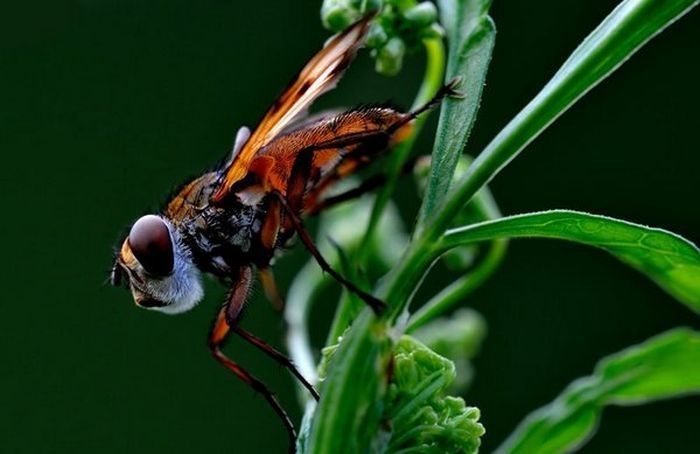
(219, 237)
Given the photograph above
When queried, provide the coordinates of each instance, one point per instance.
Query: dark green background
(105, 105)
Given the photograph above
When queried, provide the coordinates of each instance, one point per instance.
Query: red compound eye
(152, 246)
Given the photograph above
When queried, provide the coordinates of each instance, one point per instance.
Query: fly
(231, 222)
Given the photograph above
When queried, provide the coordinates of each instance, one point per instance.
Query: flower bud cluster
(399, 27)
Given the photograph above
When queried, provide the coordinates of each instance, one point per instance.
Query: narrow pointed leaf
(670, 260)
(471, 37)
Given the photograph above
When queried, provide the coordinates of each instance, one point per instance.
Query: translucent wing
(319, 75)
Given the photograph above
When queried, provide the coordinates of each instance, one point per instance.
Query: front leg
(225, 319)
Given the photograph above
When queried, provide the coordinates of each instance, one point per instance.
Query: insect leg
(277, 356)
(267, 279)
(227, 317)
(366, 186)
(377, 305)
(297, 196)
(268, 239)
(449, 89)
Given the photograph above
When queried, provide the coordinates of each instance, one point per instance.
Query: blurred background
(106, 105)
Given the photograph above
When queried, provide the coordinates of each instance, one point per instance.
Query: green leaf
(348, 415)
(670, 260)
(471, 37)
(390, 57)
(663, 367)
(621, 34)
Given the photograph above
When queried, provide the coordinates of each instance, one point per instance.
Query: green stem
(353, 390)
(400, 284)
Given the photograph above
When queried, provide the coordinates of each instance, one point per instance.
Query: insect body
(231, 221)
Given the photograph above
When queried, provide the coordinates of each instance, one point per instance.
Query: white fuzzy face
(161, 274)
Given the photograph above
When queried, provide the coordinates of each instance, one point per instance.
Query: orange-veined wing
(319, 75)
(342, 142)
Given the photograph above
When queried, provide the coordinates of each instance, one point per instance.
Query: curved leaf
(663, 367)
(670, 260)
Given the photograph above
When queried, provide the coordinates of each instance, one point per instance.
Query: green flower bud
(421, 15)
(399, 27)
(377, 36)
(402, 5)
(336, 15)
(390, 57)
(367, 5)
(424, 419)
(421, 172)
